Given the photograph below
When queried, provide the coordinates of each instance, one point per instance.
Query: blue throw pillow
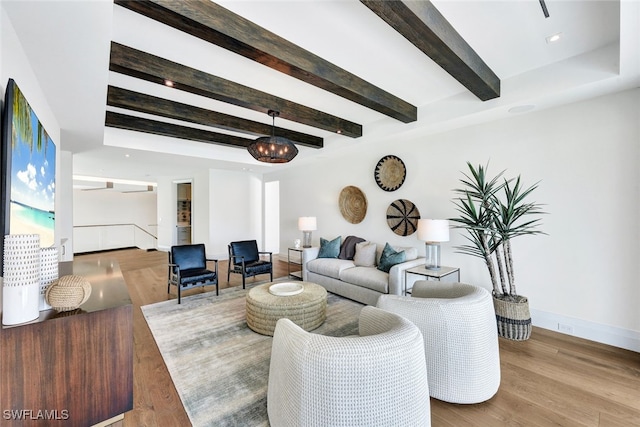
(390, 257)
(330, 249)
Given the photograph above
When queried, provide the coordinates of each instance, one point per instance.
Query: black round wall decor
(402, 217)
(390, 173)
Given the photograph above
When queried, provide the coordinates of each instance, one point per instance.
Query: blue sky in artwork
(33, 172)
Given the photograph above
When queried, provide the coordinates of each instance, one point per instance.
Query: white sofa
(362, 284)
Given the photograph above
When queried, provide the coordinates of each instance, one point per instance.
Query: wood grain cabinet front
(71, 368)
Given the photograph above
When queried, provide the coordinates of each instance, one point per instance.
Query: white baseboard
(605, 334)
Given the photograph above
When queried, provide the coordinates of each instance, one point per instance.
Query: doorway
(183, 213)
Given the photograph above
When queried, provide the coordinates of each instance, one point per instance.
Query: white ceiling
(68, 44)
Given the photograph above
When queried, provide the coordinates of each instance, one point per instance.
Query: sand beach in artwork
(25, 220)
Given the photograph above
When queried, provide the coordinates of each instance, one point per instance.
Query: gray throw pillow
(365, 254)
(329, 248)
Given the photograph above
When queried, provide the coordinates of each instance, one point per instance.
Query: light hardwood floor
(550, 380)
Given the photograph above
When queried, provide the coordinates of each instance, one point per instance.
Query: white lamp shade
(433, 230)
(307, 223)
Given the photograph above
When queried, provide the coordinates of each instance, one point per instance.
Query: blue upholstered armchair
(244, 258)
(188, 268)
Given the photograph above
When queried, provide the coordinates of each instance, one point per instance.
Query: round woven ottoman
(307, 309)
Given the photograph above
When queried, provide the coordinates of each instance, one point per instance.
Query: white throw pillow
(410, 252)
(365, 254)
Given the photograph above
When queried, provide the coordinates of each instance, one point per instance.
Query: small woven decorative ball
(68, 293)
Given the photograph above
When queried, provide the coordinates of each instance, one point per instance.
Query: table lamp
(433, 231)
(307, 224)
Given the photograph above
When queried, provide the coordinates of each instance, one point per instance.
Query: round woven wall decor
(402, 217)
(353, 204)
(390, 173)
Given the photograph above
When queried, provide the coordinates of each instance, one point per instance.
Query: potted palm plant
(494, 211)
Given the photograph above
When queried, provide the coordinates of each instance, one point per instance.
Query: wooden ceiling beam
(142, 65)
(139, 124)
(424, 26)
(130, 100)
(211, 22)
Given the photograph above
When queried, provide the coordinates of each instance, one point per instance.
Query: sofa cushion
(329, 248)
(390, 257)
(410, 253)
(365, 254)
(330, 267)
(367, 277)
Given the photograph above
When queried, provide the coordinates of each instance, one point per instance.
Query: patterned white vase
(21, 280)
(48, 273)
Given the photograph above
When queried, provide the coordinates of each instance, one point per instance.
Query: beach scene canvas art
(33, 172)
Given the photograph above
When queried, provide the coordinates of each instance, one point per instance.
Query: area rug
(219, 366)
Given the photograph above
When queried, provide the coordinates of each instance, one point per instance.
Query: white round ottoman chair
(376, 379)
(458, 324)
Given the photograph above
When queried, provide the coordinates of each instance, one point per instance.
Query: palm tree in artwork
(22, 124)
(21, 118)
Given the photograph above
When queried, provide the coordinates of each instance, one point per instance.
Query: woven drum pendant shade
(353, 204)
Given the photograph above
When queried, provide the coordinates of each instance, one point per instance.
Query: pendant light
(272, 149)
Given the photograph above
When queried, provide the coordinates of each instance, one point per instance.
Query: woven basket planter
(513, 318)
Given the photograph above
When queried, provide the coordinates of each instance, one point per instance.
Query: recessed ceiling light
(168, 83)
(126, 155)
(521, 108)
(554, 38)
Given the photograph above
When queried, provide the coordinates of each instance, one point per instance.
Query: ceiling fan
(149, 189)
(543, 5)
(108, 185)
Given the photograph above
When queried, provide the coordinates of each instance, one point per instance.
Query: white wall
(64, 203)
(111, 207)
(272, 217)
(584, 274)
(100, 207)
(226, 206)
(235, 210)
(14, 64)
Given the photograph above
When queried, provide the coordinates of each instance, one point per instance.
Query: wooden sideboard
(73, 368)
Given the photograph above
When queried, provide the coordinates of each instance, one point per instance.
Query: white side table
(444, 274)
(295, 261)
